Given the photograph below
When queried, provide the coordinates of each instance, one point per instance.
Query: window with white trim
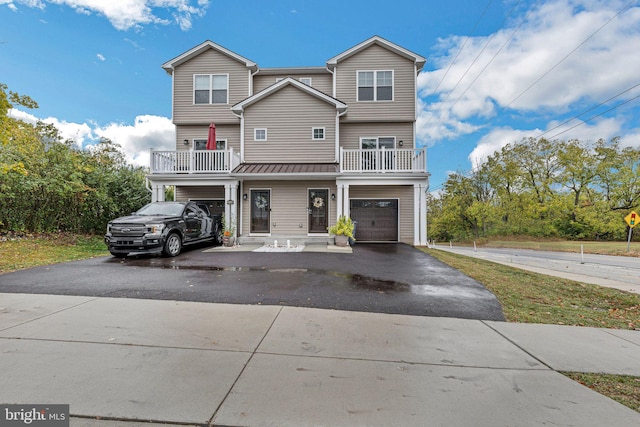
(210, 89)
(376, 142)
(201, 144)
(260, 134)
(306, 80)
(317, 134)
(375, 85)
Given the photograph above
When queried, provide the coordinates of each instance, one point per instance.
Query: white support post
(423, 215)
(346, 206)
(416, 214)
(339, 200)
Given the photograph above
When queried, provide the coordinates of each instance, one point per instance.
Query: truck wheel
(173, 245)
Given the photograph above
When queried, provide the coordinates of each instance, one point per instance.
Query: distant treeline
(47, 184)
(541, 188)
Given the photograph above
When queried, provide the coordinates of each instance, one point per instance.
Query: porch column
(231, 204)
(416, 214)
(346, 205)
(157, 193)
(423, 215)
(340, 188)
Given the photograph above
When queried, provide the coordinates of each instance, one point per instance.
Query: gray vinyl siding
(184, 193)
(350, 133)
(229, 132)
(208, 62)
(289, 215)
(405, 204)
(377, 58)
(289, 116)
(322, 82)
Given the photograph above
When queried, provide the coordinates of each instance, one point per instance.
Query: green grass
(621, 388)
(535, 298)
(24, 251)
(602, 248)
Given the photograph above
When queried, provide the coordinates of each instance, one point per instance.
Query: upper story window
(260, 134)
(375, 85)
(211, 88)
(317, 134)
(201, 144)
(306, 80)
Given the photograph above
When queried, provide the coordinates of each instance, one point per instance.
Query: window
(201, 144)
(317, 133)
(260, 134)
(375, 85)
(372, 143)
(211, 88)
(306, 80)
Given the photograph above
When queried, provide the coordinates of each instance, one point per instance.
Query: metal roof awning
(283, 170)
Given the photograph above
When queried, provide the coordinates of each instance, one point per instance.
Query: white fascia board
(169, 66)
(240, 106)
(417, 59)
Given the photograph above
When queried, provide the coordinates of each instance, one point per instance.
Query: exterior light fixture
(244, 196)
(186, 142)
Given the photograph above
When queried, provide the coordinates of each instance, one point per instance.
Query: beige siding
(208, 62)
(350, 133)
(184, 193)
(377, 58)
(289, 215)
(289, 116)
(405, 204)
(229, 132)
(321, 82)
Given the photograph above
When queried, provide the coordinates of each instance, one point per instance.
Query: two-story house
(297, 147)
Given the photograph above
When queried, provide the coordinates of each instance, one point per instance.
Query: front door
(318, 211)
(260, 211)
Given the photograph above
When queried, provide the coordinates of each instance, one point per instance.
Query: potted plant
(228, 238)
(342, 230)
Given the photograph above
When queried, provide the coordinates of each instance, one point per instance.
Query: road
(605, 270)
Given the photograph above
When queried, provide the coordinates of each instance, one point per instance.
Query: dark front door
(260, 210)
(318, 211)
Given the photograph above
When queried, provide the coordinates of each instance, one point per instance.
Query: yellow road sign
(632, 219)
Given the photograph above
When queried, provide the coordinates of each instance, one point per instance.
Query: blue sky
(497, 70)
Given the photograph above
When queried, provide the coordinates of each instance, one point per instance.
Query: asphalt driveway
(381, 278)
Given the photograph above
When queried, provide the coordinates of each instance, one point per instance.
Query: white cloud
(127, 14)
(498, 83)
(136, 140)
(499, 137)
(101, 57)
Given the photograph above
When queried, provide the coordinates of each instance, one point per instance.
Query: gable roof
(169, 66)
(240, 106)
(377, 40)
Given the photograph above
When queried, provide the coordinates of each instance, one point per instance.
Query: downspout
(241, 117)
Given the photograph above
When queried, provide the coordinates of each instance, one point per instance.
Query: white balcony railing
(193, 161)
(383, 160)
(224, 161)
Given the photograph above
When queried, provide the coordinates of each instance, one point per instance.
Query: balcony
(411, 160)
(194, 161)
(383, 160)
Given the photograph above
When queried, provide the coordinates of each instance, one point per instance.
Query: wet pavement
(380, 278)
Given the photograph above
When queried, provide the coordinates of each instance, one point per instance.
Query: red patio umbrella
(211, 139)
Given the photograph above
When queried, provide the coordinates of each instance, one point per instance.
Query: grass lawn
(602, 248)
(24, 251)
(535, 298)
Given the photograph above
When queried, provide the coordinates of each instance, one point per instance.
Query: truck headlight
(109, 228)
(155, 228)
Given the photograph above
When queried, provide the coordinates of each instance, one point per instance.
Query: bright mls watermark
(34, 415)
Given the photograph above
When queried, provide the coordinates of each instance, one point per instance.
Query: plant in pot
(342, 230)
(228, 233)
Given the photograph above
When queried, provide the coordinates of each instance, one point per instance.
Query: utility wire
(569, 54)
(586, 111)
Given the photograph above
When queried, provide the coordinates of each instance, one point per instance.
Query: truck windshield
(161, 209)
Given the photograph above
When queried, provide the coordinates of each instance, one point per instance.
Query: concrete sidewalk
(121, 362)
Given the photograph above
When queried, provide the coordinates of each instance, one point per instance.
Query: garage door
(377, 219)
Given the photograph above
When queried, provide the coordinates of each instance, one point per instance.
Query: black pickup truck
(163, 227)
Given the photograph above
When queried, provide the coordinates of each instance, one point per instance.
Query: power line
(569, 54)
(586, 111)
